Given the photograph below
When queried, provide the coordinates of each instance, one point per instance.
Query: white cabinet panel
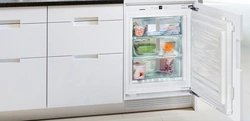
(81, 39)
(72, 13)
(22, 84)
(85, 80)
(23, 14)
(25, 40)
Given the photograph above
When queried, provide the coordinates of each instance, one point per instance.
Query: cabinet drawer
(22, 84)
(70, 39)
(85, 80)
(71, 13)
(23, 14)
(26, 40)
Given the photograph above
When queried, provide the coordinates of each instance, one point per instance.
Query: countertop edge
(55, 3)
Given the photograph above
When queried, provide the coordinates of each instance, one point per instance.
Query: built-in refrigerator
(179, 48)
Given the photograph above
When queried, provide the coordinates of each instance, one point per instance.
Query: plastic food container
(145, 48)
(150, 67)
(170, 29)
(168, 47)
(167, 65)
(139, 70)
(139, 31)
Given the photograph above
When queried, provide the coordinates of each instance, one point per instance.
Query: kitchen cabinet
(78, 39)
(94, 57)
(79, 32)
(23, 58)
(20, 40)
(85, 80)
(85, 50)
(22, 84)
(23, 35)
(83, 12)
(24, 14)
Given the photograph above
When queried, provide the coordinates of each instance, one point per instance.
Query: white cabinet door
(81, 12)
(22, 40)
(85, 80)
(86, 37)
(22, 84)
(23, 14)
(215, 62)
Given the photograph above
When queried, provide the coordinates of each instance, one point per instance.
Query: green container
(143, 48)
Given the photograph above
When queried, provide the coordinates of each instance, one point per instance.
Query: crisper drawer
(23, 14)
(72, 13)
(22, 84)
(79, 38)
(22, 40)
(85, 80)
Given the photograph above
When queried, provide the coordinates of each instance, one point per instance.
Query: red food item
(141, 74)
(167, 66)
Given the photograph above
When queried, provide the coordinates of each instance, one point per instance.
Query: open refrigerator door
(215, 55)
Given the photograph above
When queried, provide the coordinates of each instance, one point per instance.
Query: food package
(145, 48)
(139, 70)
(167, 65)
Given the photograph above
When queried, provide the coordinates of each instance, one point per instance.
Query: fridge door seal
(215, 70)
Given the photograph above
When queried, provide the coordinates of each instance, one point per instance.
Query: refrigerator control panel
(155, 8)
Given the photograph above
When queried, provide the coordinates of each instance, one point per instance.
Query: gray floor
(185, 114)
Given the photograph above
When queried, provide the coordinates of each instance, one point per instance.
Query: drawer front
(70, 39)
(23, 14)
(22, 84)
(72, 13)
(85, 80)
(19, 41)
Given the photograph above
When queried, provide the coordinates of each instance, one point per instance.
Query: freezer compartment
(157, 26)
(147, 70)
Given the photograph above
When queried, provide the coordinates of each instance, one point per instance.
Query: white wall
(238, 6)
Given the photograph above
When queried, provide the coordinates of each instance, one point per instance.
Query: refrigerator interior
(157, 49)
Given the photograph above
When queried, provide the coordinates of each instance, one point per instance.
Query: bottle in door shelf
(167, 65)
(139, 70)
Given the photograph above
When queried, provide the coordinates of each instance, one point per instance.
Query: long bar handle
(9, 24)
(92, 56)
(5, 61)
(85, 21)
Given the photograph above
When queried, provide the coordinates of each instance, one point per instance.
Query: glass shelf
(152, 57)
(158, 77)
(156, 37)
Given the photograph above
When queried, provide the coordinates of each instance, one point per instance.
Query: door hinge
(186, 88)
(192, 7)
(193, 93)
(232, 93)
